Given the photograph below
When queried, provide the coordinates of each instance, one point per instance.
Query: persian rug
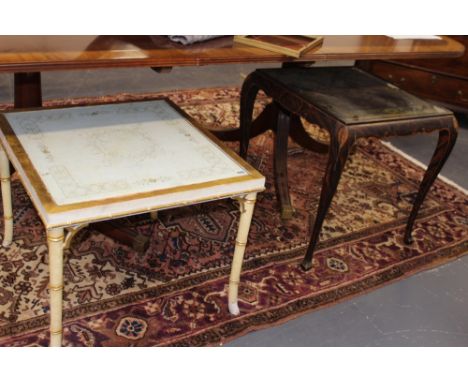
(175, 293)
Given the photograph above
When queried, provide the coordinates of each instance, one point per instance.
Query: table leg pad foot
(408, 239)
(306, 265)
(234, 308)
(287, 213)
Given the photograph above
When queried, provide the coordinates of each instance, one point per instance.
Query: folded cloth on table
(191, 39)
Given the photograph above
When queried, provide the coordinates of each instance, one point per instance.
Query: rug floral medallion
(175, 293)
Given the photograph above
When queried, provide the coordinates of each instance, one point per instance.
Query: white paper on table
(415, 37)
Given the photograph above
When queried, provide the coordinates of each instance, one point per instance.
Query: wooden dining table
(26, 57)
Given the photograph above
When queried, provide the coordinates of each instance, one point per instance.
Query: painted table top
(107, 152)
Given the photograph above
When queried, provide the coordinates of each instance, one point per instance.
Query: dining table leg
(27, 90)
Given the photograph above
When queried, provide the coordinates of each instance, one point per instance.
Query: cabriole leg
(6, 198)
(447, 139)
(55, 238)
(340, 146)
(246, 207)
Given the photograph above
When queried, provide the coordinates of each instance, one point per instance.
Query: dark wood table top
(40, 53)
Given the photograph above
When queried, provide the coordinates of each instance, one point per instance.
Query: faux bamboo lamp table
(86, 164)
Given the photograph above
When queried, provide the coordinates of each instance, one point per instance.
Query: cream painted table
(86, 164)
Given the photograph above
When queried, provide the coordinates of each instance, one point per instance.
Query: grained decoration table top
(39, 53)
(93, 156)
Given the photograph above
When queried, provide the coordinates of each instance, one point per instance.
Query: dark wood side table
(350, 104)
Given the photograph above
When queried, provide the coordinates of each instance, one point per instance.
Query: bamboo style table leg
(6, 198)
(246, 205)
(55, 240)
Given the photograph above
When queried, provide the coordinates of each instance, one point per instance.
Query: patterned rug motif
(176, 292)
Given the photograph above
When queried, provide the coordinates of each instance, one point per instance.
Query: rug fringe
(423, 166)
